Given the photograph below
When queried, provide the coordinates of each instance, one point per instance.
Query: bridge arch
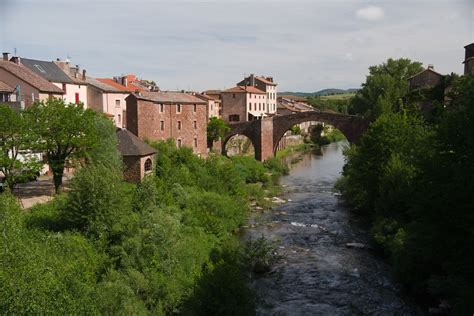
(266, 133)
(351, 126)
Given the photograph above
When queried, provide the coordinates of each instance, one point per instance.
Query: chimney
(252, 80)
(124, 81)
(6, 56)
(16, 60)
(430, 66)
(83, 74)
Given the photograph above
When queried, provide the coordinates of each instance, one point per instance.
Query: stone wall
(153, 121)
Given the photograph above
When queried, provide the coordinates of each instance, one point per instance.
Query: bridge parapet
(265, 134)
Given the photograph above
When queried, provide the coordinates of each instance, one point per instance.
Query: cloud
(371, 13)
(348, 57)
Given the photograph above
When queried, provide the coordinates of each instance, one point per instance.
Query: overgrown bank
(413, 180)
(166, 246)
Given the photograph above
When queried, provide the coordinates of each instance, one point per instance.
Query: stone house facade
(29, 87)
(163, 115)
(242, 104)
(138, 157)
(469, 59)
(267, 85)
(74, 88)
(104, 98)
(425, 79)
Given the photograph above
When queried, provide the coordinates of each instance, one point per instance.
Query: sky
(306, 45)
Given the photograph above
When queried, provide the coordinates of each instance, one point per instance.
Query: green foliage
(384, 89)
(295, 130)
(16, 138)
(415, 181)
(44, 273)
(340, 105)
(216, 129)
(64, 132)
(164, 246)
(261, 255)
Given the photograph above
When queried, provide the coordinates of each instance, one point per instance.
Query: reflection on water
(320, 274)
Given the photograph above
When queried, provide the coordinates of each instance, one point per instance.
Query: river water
(319, 274)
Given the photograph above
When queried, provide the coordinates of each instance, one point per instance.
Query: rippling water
(320, 275)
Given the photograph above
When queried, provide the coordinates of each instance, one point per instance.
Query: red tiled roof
(241, 89)
(5, 88)
(169, 97)
(30, 77)
(264, 80)
(129, 88)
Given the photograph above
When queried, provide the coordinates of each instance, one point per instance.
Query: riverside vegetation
(412, 177)
(165, 246)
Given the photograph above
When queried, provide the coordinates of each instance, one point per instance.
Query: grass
(341, 96)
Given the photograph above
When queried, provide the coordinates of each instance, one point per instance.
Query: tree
(65, 132)
(384, 89)
(216, 129)
(15, 137)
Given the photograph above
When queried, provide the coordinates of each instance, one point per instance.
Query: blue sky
(305, 45)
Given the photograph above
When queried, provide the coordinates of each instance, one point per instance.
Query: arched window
(148, 165)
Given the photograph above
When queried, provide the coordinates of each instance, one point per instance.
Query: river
(319, 274)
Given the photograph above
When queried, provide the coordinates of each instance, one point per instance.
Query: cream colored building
(266, 85)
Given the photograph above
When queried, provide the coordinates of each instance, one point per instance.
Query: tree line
(412, 177)
(165, 246)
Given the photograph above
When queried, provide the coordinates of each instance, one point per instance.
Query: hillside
(323, 92)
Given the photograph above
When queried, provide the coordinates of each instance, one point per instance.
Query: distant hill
(323, 92)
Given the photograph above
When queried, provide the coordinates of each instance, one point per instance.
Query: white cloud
(370, 13)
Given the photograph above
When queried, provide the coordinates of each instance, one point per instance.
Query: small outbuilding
(138, 156)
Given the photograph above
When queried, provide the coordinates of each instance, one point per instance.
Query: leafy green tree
(216, 129)
(16, 138)
(65, 132)
(384, 88)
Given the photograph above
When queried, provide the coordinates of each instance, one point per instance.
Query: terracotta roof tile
(129, 88)
(169, 97)
(264, 80)
(243, 89)
(5, 88)
(30, 77)
(103, 86)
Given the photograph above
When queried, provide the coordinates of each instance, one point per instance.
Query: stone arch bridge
(265, 134)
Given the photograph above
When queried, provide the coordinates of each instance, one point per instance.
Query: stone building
(29, 87)
(138, 157)
(74, 88)
(163, 115)
(104, 98)
(469, 59)
(212, 105)
(243, 103)
(267, 85)
(425, 79)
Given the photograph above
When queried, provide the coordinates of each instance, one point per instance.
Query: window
(195, 142)
(250, 106)
(162, 125)
(162, 108)
(234, 118)
(124, 119)
(77, 98)
(255, 106)
(148, 165)
(250, 95)
(40, 68)
(179, 125)
(117, 103)
(178, 108)
(233, 95)
(64, 87)
(178, 143)
(194, 108)
(119, 119)
(195, 125)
